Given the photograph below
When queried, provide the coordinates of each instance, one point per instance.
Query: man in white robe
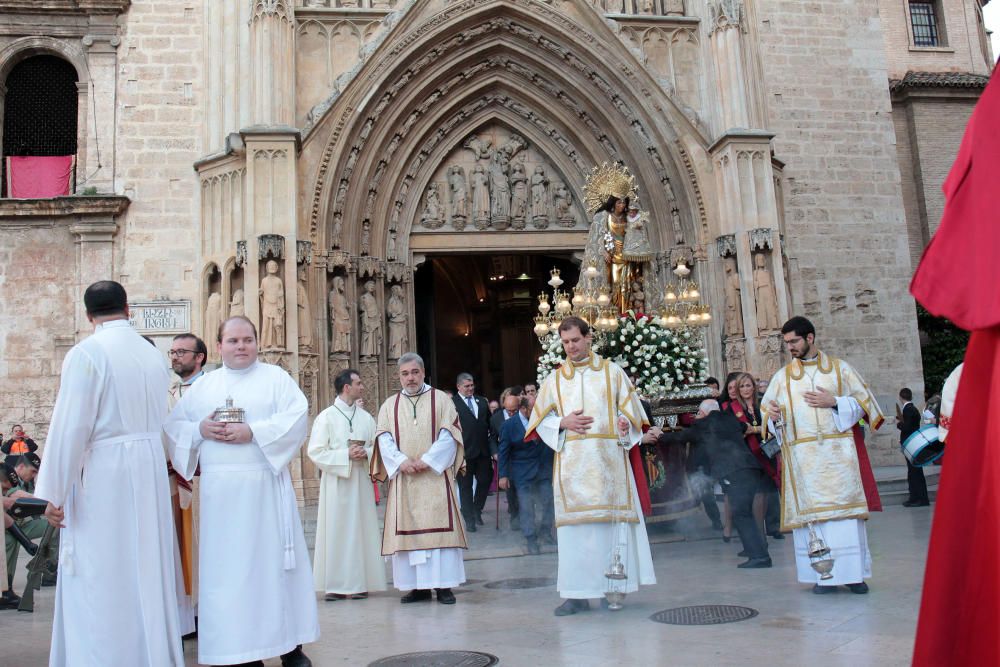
(420, 452)
(256, 598)
(826, 477)
(105, 477)
(347, 561)
(579, 408)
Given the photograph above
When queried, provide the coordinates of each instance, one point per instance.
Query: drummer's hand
(774, 411)
(820, 398)
(237, 434)
(577, 422)
(212, 430)
(55, 516)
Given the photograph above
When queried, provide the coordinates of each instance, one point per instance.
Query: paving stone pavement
(693, 567)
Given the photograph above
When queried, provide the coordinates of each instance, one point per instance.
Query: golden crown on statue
(606, 181)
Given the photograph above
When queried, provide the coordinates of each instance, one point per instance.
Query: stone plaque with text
(161, 317)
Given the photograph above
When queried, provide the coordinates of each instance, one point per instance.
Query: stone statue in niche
(366, 237)
(371, 322)
(480, 148)
(540, 198)
(340, 317)
(499, 190)
(431, 217)
(519, 196)
(563, 205)
(213, 317)
(734, 306)
(305, 311)
(480, 198)
(675, 222)
(396, 312)
(390, 253)
(646, 7)
(236, 306)
(458, 190)
(272, 308)
(767, 302)
(338, 228)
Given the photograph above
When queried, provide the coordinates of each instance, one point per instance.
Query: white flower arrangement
(660, 360)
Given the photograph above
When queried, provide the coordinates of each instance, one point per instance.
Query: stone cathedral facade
(297, 160)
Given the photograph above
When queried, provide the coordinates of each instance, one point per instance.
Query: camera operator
(19, 443)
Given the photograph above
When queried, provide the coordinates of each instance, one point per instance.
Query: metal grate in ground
(438, 659)
(707, 614)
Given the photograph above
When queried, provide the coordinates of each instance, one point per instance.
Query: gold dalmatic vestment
(421, 510)
(820, 469)
(590, 477)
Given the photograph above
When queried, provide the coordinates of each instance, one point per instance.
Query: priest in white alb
(420, 452)
(347, 561)
(105, 477)
(588, 411)
(826, 476)
(256, 598)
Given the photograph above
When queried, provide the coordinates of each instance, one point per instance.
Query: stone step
(892, 486)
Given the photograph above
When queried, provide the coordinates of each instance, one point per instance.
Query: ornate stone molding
(24, 210)
(87, 7)
(725, 245)
(272, 245)
(241, 253)
(303, 252)
(277, 8)
(761, 238)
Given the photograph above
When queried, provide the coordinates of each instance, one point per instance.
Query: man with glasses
(187, 356)
(827, 484)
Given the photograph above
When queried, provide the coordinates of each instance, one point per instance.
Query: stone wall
(845, 225)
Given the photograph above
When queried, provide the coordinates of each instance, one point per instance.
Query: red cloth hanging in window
(39, 177)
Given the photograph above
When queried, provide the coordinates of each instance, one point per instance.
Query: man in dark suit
(908, 424)
(719, 437)
(474, 417)
(529, 465)
(509, 401)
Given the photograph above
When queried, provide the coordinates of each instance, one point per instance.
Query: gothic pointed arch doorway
(474, 314)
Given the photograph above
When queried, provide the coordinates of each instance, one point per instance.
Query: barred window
(923, 18)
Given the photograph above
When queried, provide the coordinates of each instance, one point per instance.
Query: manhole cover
(526, 582)
(438, 659)
(706, 614)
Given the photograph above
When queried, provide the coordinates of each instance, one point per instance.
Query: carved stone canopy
(726, 245)
(760, 239)
(270, 245)
(303, 252)
(241, 253)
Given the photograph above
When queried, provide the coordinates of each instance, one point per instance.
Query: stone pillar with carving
(737, 70)
(370, 329)
(272, 53)
(748, 209)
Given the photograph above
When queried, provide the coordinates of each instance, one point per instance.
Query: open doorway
(475, 313)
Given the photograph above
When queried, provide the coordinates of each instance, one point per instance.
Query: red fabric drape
(867, 474)
(958, 278)
(39, 177)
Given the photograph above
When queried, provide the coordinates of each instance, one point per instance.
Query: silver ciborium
(614, 574)
(229, 413)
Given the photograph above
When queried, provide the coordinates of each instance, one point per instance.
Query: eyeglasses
(180, 353)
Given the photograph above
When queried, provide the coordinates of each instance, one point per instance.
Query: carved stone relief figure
(213, 317)
(338, 228)
(480, 198)
(390, 253)
(396, 311)
(675, 221)
(767, 302)
(734, 312)
(540, 198)
(563, 205)
(499, 190)
(305, 312)
(236, 306)
(458, 190)
(340, 317)
(366, 237)
(371, 322)
(519, 196)
(431, 217)
(637, 298)
(272, 308)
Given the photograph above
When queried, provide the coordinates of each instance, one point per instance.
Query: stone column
(272, 62)
(94, 261)
(733, 47)
(749, 215)
(82, 132)
(102, 61)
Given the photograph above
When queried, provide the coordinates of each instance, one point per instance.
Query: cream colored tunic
(347, 558)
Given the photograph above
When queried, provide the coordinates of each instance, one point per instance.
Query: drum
(923, 447)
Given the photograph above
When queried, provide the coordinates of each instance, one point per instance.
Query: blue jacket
(520, 460)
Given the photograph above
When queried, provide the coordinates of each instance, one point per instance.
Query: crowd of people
(204, 500)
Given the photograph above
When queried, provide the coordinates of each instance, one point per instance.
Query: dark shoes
(533, 547)
(479, 520)
(416, 595)
(823, 590)
(777, 535)
(754, 563)
(295, 658)
(727, 538)
(445, 596)
(570, 607)
(859, 589)
(9, 600)
(916, 503)
(470, 524)
(333, 597)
